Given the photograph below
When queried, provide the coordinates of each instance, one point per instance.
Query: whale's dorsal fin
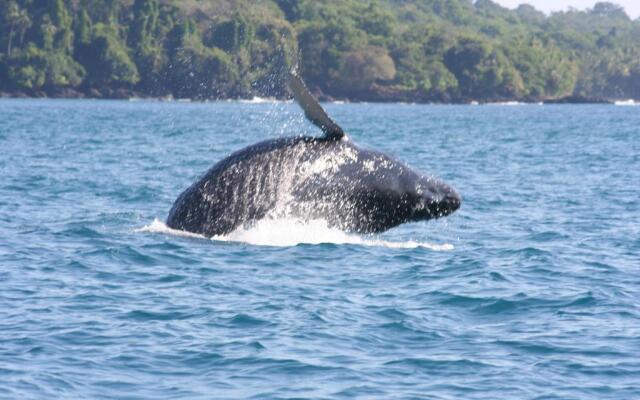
(313, 110)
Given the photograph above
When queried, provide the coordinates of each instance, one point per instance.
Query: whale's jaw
(438, 201)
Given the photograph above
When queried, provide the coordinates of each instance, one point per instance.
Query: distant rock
(64, 93)
(576, 99)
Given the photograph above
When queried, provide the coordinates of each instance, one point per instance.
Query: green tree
(107, 59)
(12, 14)
(196, 70)
(149, 56)
(362, 68)
(83, 29)
(231, 35)
(27, 69)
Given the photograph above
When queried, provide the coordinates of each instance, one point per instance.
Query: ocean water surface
(530, 291)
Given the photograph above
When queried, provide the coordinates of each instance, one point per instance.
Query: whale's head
(364, 190)
(392, 192)
(431, 198)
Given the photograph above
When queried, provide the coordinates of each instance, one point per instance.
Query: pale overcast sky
(632, 7)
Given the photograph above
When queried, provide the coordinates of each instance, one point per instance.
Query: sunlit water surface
(530, 291)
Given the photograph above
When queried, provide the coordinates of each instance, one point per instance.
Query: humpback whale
(327, 177)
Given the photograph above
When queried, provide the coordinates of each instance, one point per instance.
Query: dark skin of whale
(328, 178)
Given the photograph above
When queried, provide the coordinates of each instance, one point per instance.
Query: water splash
(292, 232)
(158, 226)
(261, 100)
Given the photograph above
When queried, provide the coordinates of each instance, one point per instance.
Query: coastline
(133, 95)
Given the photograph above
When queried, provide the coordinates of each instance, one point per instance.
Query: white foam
(507, 103)
(158, 226)
(629, 102)
(292, 232)
(258, 100)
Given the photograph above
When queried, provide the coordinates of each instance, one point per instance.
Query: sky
(632, 7)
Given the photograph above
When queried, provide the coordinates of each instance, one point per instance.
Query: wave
(629, 102)
(292, 232)
(507, 103)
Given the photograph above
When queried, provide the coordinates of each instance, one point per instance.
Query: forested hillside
(379, 50)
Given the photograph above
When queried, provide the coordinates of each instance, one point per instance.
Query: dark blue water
(530, 291)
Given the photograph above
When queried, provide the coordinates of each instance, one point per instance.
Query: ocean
(530, 291)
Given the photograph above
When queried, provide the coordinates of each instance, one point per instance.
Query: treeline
(411, 50)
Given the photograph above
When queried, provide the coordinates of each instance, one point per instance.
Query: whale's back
(246, 186)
